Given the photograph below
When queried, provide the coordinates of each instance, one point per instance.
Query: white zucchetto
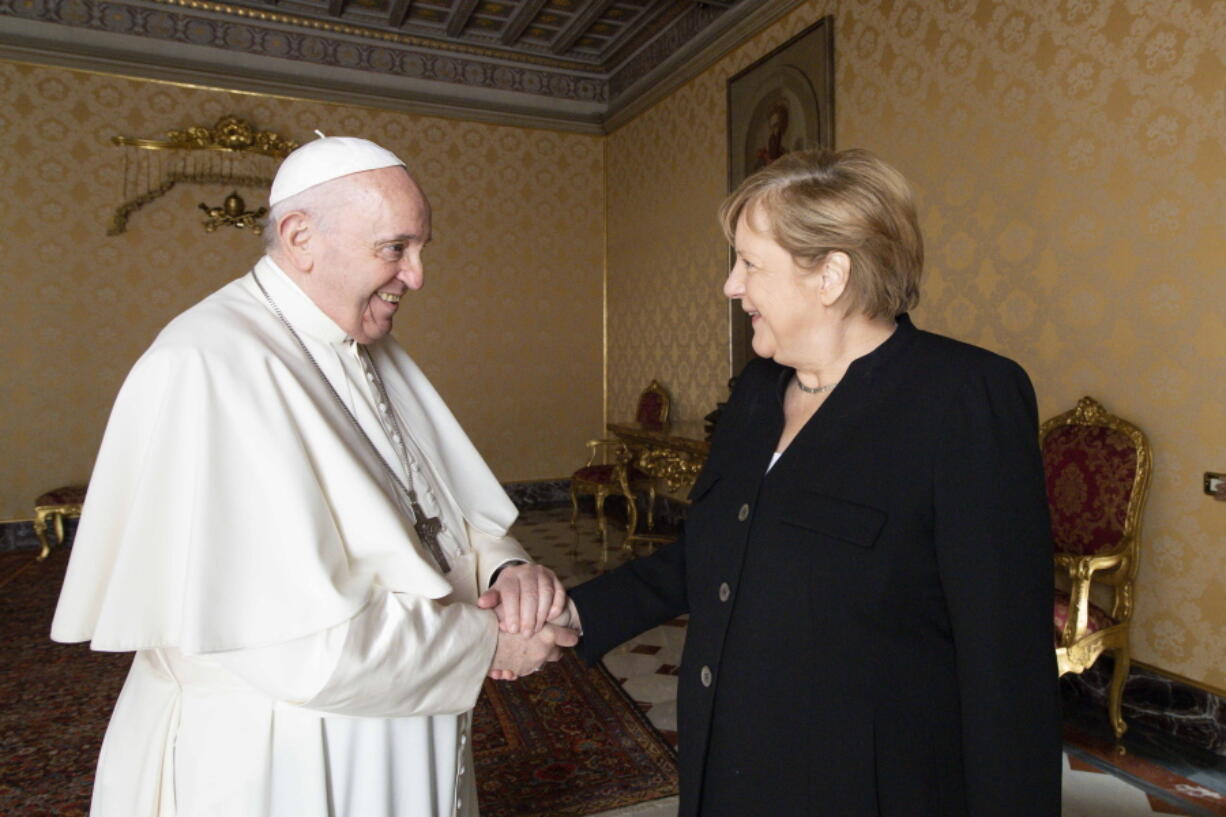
(325, 159)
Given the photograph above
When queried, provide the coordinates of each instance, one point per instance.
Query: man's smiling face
(369, 249)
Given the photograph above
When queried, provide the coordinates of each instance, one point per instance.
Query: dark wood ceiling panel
(398, 12)
(522, 18)
(586, 35)
(578, 25)
(460, 14)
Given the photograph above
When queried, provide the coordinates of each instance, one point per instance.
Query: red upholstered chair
(601, 480)
(652, 412)
(1097, 469)
(55, 506)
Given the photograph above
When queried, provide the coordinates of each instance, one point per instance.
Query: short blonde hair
(822, 201)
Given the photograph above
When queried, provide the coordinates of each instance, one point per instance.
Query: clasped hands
(535, 620)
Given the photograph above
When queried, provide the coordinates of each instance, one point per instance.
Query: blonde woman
(866, 564)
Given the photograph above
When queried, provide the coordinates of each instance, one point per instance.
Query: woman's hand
(525, 653)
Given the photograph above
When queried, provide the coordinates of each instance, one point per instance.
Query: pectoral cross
(428, 529)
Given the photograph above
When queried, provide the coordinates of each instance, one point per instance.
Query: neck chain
(427, 528)
(815, 390)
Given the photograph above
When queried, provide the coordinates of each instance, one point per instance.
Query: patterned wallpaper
(507, 326)
(1070, 160)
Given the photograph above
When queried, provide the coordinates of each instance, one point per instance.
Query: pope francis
(292, 532)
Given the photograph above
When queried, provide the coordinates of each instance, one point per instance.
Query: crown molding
(738, 25)
(197, 66)
(175, 62)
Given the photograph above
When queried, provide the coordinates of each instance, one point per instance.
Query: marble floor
(1150, 778)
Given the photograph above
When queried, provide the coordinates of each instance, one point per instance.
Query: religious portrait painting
(781, 103)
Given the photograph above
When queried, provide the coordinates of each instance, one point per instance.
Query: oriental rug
(564, 742)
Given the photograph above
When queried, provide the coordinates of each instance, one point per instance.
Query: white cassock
(299, 653)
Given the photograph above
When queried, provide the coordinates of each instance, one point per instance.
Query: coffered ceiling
(576, 64)
(586, 34)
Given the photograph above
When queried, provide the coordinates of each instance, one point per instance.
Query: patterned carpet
(57, 697)
(565, 742)
(56, 700)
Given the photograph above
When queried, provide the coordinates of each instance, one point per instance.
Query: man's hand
(524, 597)
(523, 654)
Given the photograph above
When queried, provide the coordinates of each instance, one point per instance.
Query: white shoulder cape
(233, 505)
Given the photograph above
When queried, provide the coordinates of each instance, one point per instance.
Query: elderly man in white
(292, 532)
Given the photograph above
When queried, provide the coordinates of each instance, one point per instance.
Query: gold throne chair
(53, 508)
(1097, 469)
(620, 475)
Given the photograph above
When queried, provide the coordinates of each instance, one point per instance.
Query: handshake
(535, 620)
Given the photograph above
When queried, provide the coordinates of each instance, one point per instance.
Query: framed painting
(781, 103)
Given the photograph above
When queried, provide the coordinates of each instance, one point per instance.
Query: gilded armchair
(1097, 469)
(53, 508)
(602, 479)
(652, 410)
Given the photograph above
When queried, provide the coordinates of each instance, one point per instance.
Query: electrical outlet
(1213, 482)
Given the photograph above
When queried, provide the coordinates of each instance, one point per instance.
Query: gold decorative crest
(231, 153)
(230, 133)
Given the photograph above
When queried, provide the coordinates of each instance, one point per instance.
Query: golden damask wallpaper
(507, 326)
(1070, 161)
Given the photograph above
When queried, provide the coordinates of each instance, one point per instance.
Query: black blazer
(870, 623)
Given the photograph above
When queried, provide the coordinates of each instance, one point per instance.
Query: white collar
(302, 313)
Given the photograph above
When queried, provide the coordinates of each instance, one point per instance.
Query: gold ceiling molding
(372, 33)
(231, 153)
(49, 42)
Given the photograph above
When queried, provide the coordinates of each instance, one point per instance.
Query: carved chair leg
(574, 505)
(59, 528)
(600, 498)
(40, 529)
(632, 522)
(651, 507)
(1116, 696)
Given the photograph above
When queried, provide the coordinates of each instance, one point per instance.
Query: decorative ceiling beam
(459, 17)
(578, 26)
(335, 7)
(399, 13)
(519, 22)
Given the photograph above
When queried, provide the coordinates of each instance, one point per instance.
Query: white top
(233, 504)
(300, 653)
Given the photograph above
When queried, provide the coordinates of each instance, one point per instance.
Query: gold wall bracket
(231, 153)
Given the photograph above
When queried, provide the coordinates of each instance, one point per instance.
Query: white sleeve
(399, 656)
(493, 552)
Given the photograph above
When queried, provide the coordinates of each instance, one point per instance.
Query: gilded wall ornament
(231, 153)
(234, 213)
